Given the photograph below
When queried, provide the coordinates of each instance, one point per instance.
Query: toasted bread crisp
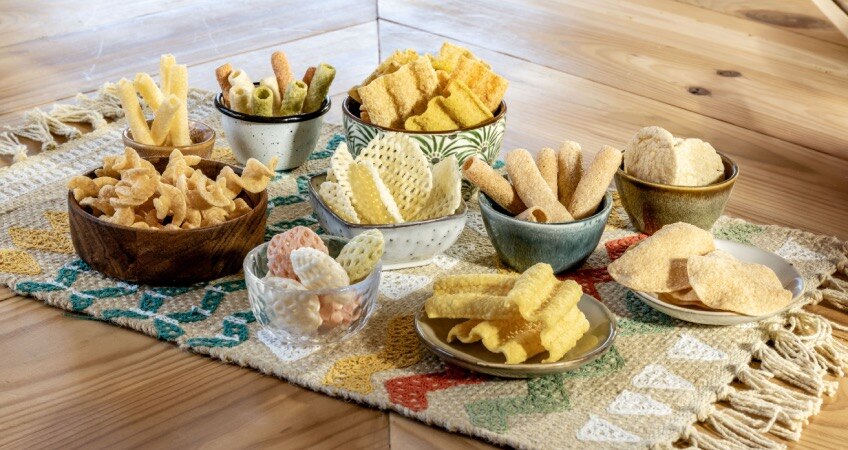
(460, 109)
(390, 99)
(480, 78)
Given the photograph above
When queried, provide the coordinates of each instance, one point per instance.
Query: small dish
(275, 307)
(602, 331)
(786, 273)
(408, 244)
(290, 138)
(650, 206)
(202, 138)
(564, 246)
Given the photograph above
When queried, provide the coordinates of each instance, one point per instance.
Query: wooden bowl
(168, 257)
(202, 142)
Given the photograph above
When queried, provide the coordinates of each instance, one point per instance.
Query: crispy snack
(171, 202)
(531, 187)
(151, 93)
(480, 78)
(263, 101)
(478, 283)
(163, 118)
(82, 187)
(297, 312)
(464, 305)
(319, 86)
(166, 62)
(222, 74)
(658, 264)
(255, 176)
(655, 155)
(281, 68)
(593, 185)
(340, 167)
(683, 297)
(241, 99)
(281, 246)
(338, 200)
(317, 270)
(307, 76)
(460, 109)
(293, 98)
(532, 288)
(403, 168)
(370, 197)
(132, 112)
(361, 254)
(239, 77)
(229, 182)
(492, 184)
(533, 214)
(449, 55)
(569, 170)
(271, 83)
(390, 99)
(445, 196)
(178, 86)
(546, 161)
(389, 65)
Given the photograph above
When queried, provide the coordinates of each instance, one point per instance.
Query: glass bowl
(316, 317)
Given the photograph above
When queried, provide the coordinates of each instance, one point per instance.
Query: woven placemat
(661, 377)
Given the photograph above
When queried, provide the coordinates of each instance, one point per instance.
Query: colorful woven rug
(661, 378)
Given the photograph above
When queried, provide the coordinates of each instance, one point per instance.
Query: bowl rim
(462, 211)
(488, 206)
(734, 173)
(370, 279)
(263, 199)
(126, 136)
(324, 109)
(501, 113)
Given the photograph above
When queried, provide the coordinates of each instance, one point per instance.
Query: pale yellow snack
(390, 99)
(178, 85)
(569, 170)
(479, 77)
(532, 188)
(241, 99)
(163, 118)
(240, 208)
(132, 112)
(240, 78)
(465, 305)
(517, 339)
(151, 93)
(389, 65)
(166, 62)
(318, 270)
(403, 168)
(371, 198)
(532, 288)
(230, 182)
(546, 161)
(340, 167)
(449, 55)
(460, 108)
(593, 186)
(335, 197)
(171, 202)
(477, 283)
(255, 176)
(179, 164)
(213, 216)
(446, 195)
(359, 256)
(656, 156)
(122, 216)
(82, 187)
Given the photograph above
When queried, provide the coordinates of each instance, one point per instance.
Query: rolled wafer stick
(164, 117)
(151, 94)
(532, 188)
(165, 63)
(263, 101)
(569, 170)
(318, 87)
(241, 99)
(132, 112)
(533, 214)
(293, 98)
(178, 82)
(492, 184)
(239, 77)
(592, 187)
(546, 161)
(222, 73)
(271, 83)
(282, 70)
(307, 77)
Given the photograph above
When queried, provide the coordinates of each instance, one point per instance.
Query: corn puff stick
(319, 87)
(151, 94)
(271, 83)
(592, 187)
(293, 98)
(164, 118)
(546, 161)
(282, 70)
(533, 214)
(239, 77)
(307, 76)
(222, 73)
(492, 184)
(531, 187)
(166, 62)
(263, 101)
(178, 84)
(569, 170)
(132, 111)
(241, 99)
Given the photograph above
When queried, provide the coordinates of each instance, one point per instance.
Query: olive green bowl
(651, 205)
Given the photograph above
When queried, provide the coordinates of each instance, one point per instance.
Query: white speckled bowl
(291, 138)
(408, 244)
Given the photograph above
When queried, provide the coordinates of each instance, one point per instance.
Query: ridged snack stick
(263, 101)
(178, 82)
(164, 117)
(241, 99)
(293, 98)
(222, 74)
(132, 111)
(479, 173)
(319, 86)
(533, 214)
(531, 187)
(592, 187)
(282, 70)
(546, 161)
(569, 170)
(151, 93)
(271, 83)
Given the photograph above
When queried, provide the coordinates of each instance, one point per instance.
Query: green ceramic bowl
(651, 205)
(564, 246)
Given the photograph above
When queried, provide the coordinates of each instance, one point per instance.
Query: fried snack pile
(655, 155)
(277, 95)
(129, 191)
(446, 92)
(299, 260)
(168, 102)
(681, 264)
(551, 189)
(519, 316)
(390, 181)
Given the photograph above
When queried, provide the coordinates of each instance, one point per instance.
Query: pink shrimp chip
(281, 246)
(333, 313)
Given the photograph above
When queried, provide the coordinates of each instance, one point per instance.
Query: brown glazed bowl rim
(192, 125)
(263, 198)
(346, 110)
(720, 185)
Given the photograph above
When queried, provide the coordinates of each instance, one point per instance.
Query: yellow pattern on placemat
(18, 261)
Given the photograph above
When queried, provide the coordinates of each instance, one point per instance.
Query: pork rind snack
(519, 316)
(129, 191)
(446, 92)
(655, 155)
(390, 181)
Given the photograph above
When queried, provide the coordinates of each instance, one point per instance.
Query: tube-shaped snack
(222, 74)
(319, 87)
(546, 161)
(166, 62)
(132, 111)
(293, 98)
(239, 77)
(271, 83)
(592, 187)
(479, 173)
(178, 83)
(164, 118)
(151, 94)
(263, 101)
(569, 170)
(281, 68)
(241, 99)
(307, 76)
(531, 187)
(533, 214)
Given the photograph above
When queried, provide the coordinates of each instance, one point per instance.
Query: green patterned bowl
(483, 141)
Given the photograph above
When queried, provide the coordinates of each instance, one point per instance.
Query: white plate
(602, 330)
(786, 273)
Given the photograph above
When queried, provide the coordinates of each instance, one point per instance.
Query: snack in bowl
(327, 291)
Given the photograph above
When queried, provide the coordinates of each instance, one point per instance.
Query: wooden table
(764, 80)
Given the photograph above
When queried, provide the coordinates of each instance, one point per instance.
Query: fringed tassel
(808, 379)
(10, 145)
(817, 332)
(106, 101)
(77, 114)
(41, 127)
(734, 431)
(763, 426)
(705, 441)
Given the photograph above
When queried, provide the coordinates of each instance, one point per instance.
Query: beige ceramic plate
(786, 273)
(602, 330)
